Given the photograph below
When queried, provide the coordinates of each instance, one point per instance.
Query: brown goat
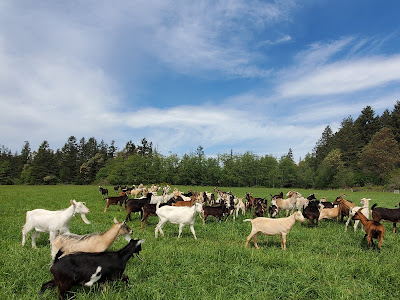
(115, 201)
(344, 206)
(185, 203)
(373, 229)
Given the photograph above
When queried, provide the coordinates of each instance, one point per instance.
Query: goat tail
(248, 220)
(373, 206)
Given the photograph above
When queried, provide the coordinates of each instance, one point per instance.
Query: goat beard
(128, 237)
(84, 219)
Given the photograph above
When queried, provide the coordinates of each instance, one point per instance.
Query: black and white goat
(88, 268)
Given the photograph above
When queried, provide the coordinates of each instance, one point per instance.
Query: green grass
(323, 262)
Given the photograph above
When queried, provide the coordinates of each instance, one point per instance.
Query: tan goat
(270, 226)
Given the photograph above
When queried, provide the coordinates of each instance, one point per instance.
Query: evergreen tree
(68, 160)
(44, 167)
(366, 124)
(324, 145)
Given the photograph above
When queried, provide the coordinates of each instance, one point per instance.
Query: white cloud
(344, 77)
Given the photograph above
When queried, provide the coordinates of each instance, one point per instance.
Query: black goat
(311, 212)
(215, 211)
(89, 268)
(136, 205)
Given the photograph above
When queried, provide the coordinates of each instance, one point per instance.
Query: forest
(363, 152)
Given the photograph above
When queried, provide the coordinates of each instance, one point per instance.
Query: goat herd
(82, 260)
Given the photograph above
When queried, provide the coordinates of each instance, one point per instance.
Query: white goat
(270, 226)
(240, 206)
(364, 210)
(164, 198)
(94, 242)
(182, 215)
(54, 222)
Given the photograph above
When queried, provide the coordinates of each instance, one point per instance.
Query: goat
(386, 214)
(252, 201)
(177, 215)
(300, 201)
(312, 212)
(273, 209)
(240, 206)
(136, 205)
(116, 200)
(270, 226)
(88, 268)
(280, 195)
(95, 242)
(185, 203)
(285, 204)
(116, 188)
(260, 209)
(325, 203)
(373, 229)
(215, 211)
(161, 199)
(344, 206)
(364, 211)
(328, 213)
(54, 222)
(103, 191)
(149, 209)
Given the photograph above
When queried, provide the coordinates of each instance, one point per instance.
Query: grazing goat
(177, 215)
(54, 222)
(116, 200)
(364, 211)
(95, 242)
(88, 268)
(386, 214)
(270, 226)
(373, 229)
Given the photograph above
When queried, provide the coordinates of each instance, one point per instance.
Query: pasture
(319, 263)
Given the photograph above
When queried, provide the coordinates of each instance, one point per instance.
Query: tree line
(364, 151)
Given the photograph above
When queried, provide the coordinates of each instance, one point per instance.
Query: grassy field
(320, 263)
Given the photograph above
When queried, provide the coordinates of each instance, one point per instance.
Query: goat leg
(49, 284)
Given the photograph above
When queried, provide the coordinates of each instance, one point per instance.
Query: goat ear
(73, 202)
(115, 220)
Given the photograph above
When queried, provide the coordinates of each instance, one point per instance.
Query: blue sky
(260, 76)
